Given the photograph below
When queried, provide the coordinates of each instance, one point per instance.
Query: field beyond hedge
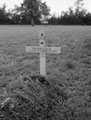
(71, 70)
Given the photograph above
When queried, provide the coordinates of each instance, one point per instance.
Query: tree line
(38, 12)
(76, 15)
(29, 12)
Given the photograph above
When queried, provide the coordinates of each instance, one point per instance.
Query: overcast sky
(56, 5)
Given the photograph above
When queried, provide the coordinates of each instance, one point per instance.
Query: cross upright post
(42, 53)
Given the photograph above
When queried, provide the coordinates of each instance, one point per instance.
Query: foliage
(54, 20)
(78, 6)
(45, 11)
(77, 16)
(4, 16)
(38, 12)
(31, 11)
(30, 8)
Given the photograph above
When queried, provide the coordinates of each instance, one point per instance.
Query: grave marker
(42, 49)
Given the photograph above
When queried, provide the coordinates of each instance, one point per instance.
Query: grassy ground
(72, 67)
(13, 40)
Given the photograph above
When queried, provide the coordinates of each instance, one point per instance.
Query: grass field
(72, 67)
(13, 40)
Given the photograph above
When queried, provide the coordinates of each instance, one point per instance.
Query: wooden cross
(42, 49)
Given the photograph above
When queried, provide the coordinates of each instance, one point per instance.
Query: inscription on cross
(42, 49)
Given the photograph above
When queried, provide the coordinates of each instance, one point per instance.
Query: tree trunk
(32, 21)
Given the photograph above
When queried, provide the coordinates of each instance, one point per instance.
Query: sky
(57, 6)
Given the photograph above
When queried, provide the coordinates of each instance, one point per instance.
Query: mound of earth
(33, 98)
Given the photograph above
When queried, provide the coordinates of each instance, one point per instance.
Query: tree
(78, 6)
(74, 15)
(33, 10)
(45, 11)
(54, 20)
(4, 16)
(15, 15)
(30, 12)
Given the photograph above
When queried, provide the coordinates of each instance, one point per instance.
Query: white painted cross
(42, 49)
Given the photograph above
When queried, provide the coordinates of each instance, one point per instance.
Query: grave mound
(32, 97)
